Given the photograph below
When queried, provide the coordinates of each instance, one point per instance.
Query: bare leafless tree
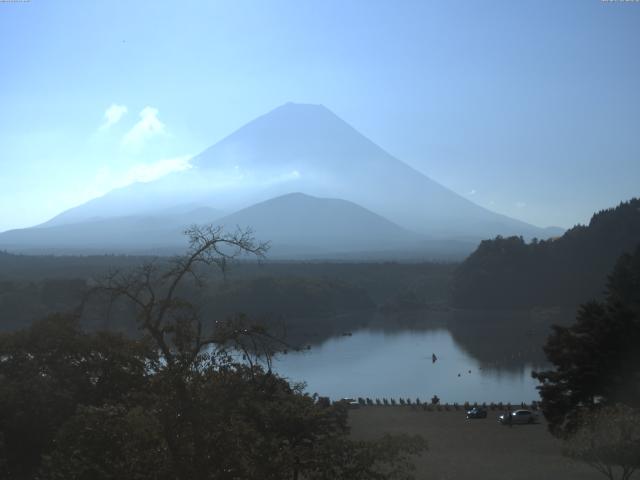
(173, 322)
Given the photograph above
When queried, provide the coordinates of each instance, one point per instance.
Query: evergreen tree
(596, 360)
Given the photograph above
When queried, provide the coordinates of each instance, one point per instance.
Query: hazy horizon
(529, 110)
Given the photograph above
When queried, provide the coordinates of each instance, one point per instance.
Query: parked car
(350, 402)
(518, 417)
(477, 412)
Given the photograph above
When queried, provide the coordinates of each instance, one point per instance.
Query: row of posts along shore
(433, 406)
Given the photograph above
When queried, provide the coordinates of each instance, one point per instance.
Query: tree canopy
(597, 359)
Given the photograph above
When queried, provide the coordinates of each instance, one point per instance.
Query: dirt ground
(461, 449)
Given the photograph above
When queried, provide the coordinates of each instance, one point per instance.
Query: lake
(392, 363)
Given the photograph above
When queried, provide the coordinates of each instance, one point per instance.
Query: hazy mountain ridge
(294, 148)
(330, 225)
(151, 199)
(154, 233)
(320, 154)
(296, 226)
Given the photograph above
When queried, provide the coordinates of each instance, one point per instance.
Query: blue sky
(529, 108)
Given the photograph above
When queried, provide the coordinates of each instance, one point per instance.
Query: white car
(518, 417)
(350, 402)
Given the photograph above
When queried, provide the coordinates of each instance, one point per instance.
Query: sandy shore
(461, 449)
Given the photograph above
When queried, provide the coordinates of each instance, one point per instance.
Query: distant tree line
(305, 296)
(276, 300)
(565, 271)
(287, 296)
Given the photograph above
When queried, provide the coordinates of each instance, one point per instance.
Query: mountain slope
(297, 224)
(159, 233)
(567, 271)
(312, 150)
(306, 148)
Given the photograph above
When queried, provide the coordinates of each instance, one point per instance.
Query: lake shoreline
(398, 362)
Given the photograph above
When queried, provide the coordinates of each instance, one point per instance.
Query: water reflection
(481, 357)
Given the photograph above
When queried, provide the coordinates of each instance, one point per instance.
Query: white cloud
(521, 204)
(148, 126)
(112, 115)
(471, 192)
(147, 172)
(106, 179)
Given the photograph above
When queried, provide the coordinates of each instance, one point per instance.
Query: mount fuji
(341, 179)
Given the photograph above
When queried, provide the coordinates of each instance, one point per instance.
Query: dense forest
(310, 300)
(564, 271)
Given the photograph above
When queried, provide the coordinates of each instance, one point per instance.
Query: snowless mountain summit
(311, 150)
(306, 149)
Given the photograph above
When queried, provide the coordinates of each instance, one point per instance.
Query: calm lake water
(376, 363)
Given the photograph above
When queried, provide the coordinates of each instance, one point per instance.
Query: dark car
(477, 412)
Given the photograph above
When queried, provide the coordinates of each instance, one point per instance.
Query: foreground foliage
(182, 402)
(47, 371)
(608, 439)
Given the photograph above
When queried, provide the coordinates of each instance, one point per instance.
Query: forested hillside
(313, 300)
(564, 271)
